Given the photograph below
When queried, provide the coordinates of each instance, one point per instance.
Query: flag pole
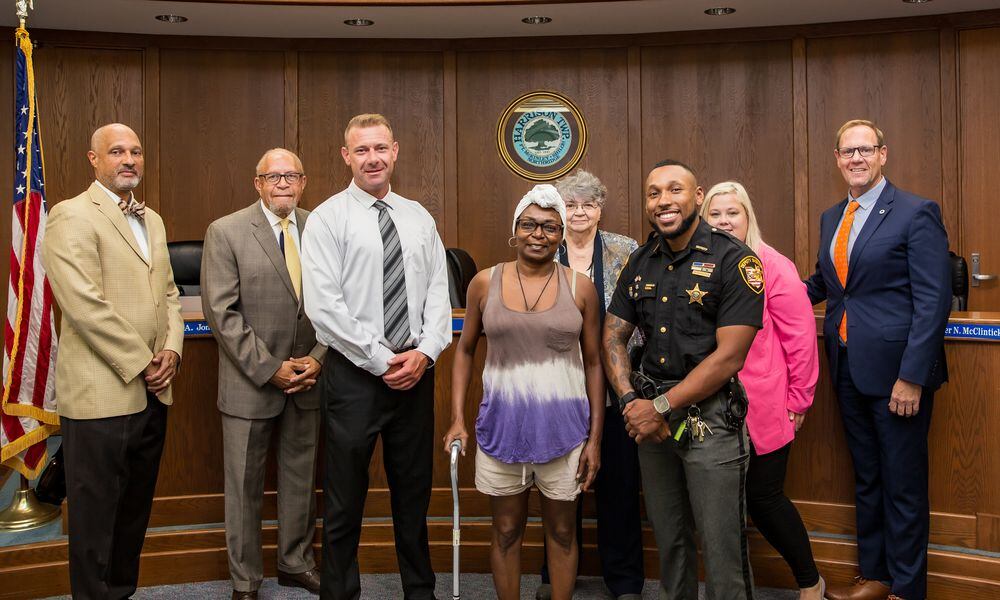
(25, 510)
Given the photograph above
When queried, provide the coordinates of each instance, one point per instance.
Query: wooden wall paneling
(638, 226)
(979, 86)
(963, 473)
(80, 89)
(292, 100)
(988, 532)
(406, 87)
(450, 131)
(893, 79)
(819, 466)
(726, 110)
(219, 112)
(800, 152)
(950, 167)
(151, 126)
(594, 79)
(192, 454)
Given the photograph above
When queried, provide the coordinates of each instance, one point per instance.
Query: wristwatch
(627, 397)
(661, 404)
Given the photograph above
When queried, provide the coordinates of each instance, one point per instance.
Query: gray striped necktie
(394, 306)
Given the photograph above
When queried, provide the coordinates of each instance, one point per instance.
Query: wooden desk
(964, 464)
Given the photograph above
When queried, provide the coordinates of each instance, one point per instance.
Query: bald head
(110, 131)
(116, 155)
(276, 153)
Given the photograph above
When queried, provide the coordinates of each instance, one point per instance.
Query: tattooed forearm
(614, 352)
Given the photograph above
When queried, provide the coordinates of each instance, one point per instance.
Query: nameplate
(199, 328)
(972, 331)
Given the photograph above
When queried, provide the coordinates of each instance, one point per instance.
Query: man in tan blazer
(106, 257)
(251, 282)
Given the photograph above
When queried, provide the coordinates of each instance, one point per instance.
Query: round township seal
(541, 136)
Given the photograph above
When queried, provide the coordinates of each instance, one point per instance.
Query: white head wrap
(546, 196)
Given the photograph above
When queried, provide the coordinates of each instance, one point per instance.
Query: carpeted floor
(474, 586)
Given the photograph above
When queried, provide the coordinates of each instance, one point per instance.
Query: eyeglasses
(529, 226)
(865, 151)
(571, 207)
(273, 178)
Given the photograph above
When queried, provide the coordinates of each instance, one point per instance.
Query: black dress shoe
(237, 595)
(308, 580)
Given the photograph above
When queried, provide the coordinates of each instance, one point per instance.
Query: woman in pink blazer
(780, 377)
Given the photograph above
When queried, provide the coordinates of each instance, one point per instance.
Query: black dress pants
(111, 470)
(357, 408)
(776, 517)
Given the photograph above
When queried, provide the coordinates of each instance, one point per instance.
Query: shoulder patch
(752, 273)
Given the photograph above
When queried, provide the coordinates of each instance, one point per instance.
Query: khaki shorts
(556, 479)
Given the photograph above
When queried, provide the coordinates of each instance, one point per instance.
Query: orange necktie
(840, 257)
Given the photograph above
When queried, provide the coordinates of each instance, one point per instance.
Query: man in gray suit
(251, 281)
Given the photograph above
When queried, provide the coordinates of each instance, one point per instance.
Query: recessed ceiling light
(536, 20)
(171, 18)
(916, 1)
(359, 22)
(718, 12)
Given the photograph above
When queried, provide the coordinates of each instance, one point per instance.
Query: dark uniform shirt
(679, 300)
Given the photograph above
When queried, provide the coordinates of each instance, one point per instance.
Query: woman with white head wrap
(542, 411)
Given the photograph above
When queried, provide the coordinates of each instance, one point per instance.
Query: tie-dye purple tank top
(534, 406)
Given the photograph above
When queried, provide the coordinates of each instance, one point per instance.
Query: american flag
(27, 415)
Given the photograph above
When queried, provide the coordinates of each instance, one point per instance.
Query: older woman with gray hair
(601, 255)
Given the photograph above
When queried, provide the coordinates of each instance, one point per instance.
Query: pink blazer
(781, 369)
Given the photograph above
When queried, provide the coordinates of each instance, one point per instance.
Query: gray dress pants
(699, 488)
(245, 443)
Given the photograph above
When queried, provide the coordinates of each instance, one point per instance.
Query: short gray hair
(276, 152)
(583, 185)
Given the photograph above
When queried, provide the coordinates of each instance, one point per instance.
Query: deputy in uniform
(697, 293)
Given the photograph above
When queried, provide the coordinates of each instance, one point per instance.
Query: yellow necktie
(292, 259)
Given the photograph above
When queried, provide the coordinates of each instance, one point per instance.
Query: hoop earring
(512, 241)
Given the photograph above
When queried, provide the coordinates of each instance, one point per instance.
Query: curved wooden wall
(755, 105)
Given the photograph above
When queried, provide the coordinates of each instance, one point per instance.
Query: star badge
(696, 295)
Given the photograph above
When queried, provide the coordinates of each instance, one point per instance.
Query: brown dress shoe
(862, 589)
(237, 595)
(308, 580)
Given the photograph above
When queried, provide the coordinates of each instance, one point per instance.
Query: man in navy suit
(883, 270)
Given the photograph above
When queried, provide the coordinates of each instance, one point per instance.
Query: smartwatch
(661, 404)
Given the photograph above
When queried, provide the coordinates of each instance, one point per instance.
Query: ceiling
(623, 17)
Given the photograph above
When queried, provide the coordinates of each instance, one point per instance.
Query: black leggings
(775, 516)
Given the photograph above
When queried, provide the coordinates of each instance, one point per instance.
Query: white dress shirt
(135, 223)
(342, 277)
(275, 221)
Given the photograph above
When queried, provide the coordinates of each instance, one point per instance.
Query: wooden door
(979, 89)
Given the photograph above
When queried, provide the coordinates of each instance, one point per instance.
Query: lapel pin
(881, 212)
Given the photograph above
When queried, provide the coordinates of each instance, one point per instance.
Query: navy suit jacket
(897, 297)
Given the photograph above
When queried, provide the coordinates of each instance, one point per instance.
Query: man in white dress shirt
(375, 287)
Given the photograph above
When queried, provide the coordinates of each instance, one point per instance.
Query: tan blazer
(118, 310)
(249, 302)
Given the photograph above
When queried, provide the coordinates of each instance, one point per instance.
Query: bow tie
(132, 207)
